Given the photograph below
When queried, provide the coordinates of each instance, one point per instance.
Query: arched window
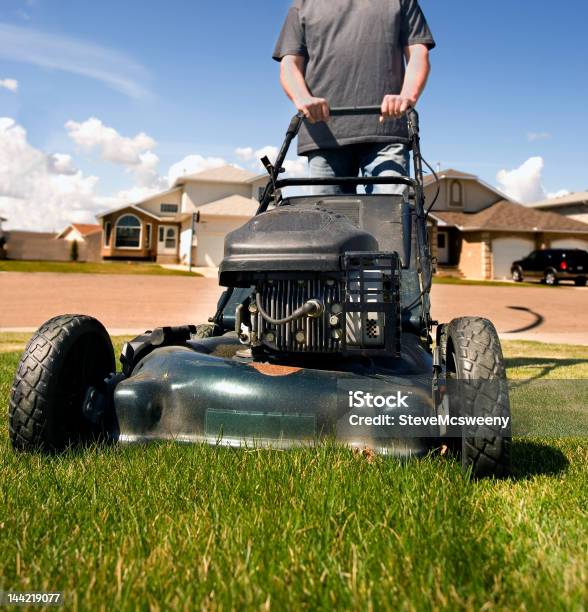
(128, 232)
(456, 194)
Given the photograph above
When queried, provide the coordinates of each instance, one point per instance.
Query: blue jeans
(360, 159)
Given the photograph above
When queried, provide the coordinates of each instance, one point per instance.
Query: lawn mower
(324, 332)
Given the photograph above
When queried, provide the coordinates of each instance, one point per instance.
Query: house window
(169, 208)
(128, 233)
(170, 238)
(148, 236)
(107, 233)
(456, 194)
(161, 233)
(442, 240)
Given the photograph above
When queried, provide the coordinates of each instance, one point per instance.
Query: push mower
(324, 331)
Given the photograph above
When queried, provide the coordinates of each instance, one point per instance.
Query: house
(573, 206)
(477, 231)
(188, 222)
(79, 232)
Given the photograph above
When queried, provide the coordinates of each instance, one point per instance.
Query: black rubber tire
(441, 340)
(580, 282)
(517, 275)
(67, 355)
(474, 355)
(550, 278)
(206, 330)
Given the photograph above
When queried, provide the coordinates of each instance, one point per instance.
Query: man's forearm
(292, 78)
(417, 72)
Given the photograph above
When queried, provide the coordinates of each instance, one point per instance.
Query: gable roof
(85, 229)
(450, 173)
(137, 205)
(224, 174)
(232, 206)
(510, 217)
(580, 197)
(134, 207)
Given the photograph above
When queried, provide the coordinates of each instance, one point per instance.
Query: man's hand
(316, 110)
(393, 107)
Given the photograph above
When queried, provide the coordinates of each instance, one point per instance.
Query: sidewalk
(206, 272)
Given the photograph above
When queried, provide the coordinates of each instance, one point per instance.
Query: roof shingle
(511, 217)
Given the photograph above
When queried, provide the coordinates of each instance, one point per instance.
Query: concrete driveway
(129, 304)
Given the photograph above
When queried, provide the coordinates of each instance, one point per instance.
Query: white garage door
(210, 249)
(569, 243)
(507, 250)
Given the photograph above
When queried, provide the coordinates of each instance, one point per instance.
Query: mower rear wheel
(475, 370)
(66, 356)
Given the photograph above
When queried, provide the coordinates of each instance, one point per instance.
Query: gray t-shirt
(354, 52)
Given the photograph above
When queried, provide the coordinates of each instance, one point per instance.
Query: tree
(74, 251)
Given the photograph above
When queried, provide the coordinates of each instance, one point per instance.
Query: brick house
(477, 232)
(185, 224)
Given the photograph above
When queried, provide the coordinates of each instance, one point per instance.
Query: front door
(167, 240)
(443, 247)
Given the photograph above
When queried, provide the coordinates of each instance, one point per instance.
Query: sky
(105, 102)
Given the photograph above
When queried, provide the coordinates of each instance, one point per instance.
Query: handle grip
(355, 110)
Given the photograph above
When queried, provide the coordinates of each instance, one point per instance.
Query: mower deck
(205, 393)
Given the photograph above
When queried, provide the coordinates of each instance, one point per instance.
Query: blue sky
(508, 85)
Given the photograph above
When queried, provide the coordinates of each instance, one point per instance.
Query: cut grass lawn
(452, 280)
(71, 267)
(172, 526)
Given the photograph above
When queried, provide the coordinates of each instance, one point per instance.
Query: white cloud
(524, 184)
(10, 84)
(192, 164)
(297, 167)
(558, 194)
(245, 154)
(110, 67)
(134, 153)
(93, 134)
(293, 167)
(40, 192)
(536, 136)
(61, 163)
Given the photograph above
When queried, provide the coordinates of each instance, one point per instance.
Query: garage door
(507, 250)
(569, 243)
(210, 249)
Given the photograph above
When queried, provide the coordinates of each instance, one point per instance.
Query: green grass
(113, 267)
(451, 280)
(172, 526)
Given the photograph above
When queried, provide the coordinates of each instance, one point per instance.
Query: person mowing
(354, 53)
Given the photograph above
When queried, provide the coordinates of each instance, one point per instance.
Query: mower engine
(318, 283)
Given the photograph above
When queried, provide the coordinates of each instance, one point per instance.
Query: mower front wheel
(477, 380)
(66, 357)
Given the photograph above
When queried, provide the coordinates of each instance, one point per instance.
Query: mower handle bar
(354, 111)
(347, 181)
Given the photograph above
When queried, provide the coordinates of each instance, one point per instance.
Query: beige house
(187, 223)
(478, 232)
(573, 205)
